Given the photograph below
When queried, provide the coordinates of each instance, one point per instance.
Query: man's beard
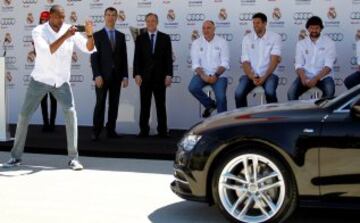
(314, 35)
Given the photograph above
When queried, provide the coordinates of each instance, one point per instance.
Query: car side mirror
(355, 110)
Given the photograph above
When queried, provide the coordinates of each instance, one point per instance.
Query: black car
(258, 164)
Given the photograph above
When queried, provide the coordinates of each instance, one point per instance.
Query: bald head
(208, 29)
(57, 17)
(56, 9)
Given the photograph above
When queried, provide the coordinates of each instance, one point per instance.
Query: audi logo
(97, 18)
(302, 15)
(282, 81)
(353, 61)
(27, 39)
(29, 1)
(283, 36)
(8, 21)
(175, 37)
(140, 18)
(336, 36)
(230, 80)
(10, 60)
(77, 78)
(26, 78)
(226, 36)
(176, 79)
(195, 17)
(338, 81)
(355, 15)
(246, 16)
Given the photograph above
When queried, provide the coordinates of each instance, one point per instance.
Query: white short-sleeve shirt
(257, 51)
(54, 69)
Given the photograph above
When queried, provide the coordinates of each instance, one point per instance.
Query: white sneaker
(75, 164)
(12, 162)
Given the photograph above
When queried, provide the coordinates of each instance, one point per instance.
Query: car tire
(268, 194)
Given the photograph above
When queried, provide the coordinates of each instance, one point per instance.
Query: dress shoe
(207, 112)
(112, 135)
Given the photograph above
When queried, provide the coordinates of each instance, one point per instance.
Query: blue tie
(112, 39)
(152, 42)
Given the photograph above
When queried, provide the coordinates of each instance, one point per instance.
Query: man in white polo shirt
(354, 79)
(315, 57)
(210, 60)
(261, 53)
(54, 43)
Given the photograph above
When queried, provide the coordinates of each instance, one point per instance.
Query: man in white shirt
(354, 79)
(54, 43)
(314, 61)
(210, 60)
(261, 53)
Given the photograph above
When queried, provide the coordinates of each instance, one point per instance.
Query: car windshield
(332, 101)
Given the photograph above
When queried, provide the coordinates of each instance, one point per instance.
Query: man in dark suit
(110, 71)
(153, 71)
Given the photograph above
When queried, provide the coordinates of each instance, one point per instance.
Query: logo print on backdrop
(7, 2)
(29, 1)
(226, 36)
(246, 16)
(332, 13)
(8, 76)
(195, 35)
(171, 15)
(74, 57)
(30, 18)
(284, 36)
(10, 60)
(140, 18)
(31, 57)
(8, 21)
(73, 17)
(223, 14)
(248, 31)
(282, 81)
(122, 16)
(195, 17)
(353, 61)
(97, 18)
(355, 15)
(357, 35)
(337, 37)
(7, 39)
(175, 37)
(276, 15)
(302, 16)
(302, 34)
(176, 79)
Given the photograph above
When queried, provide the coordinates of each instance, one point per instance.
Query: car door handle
(308, 130)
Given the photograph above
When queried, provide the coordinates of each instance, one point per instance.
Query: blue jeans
(327, 86)
(34, 94)
(352, 80)
(246, 86)
(196, 89)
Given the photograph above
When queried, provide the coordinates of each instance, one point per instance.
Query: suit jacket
(105, 59)
(153, 68)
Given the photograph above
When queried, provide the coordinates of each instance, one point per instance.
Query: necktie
(152, 42)
(112, 39)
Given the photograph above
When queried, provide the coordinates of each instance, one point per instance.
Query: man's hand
(312, 82)
(138, 80)
(212, 79)
(99, 82)
(125, 83)
(168, 81)
(70, 32)
(89, 27)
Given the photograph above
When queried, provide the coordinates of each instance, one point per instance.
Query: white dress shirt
(54, 69)
(257, 51)
(358, 52)
(210, 55)
(313, 57)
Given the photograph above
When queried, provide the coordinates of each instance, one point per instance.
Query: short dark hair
(314, 21)
(55, 8)
(111, 9)
(261, 16)
(151, 14)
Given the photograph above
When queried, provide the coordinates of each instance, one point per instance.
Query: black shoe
(207, 112)
(143, 135)
(95, 137)
(112, 135)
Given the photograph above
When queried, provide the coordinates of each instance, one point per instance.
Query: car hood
(258, 114)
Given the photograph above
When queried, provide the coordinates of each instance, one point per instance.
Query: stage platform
(127, 146)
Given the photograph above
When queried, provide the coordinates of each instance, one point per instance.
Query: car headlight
(189, 141)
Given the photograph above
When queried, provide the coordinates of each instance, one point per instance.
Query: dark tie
(112, 39)
(152, 42)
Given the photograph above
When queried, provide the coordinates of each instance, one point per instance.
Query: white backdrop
(182, 19)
